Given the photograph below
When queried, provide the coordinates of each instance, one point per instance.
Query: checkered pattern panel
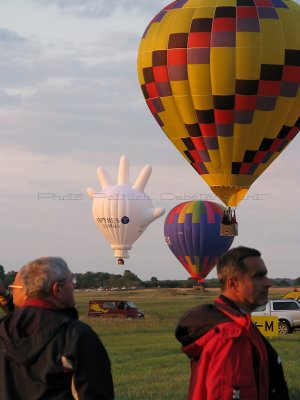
(223, 81)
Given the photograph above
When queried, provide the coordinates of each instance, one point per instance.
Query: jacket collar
(232, 310)
(45, 304)
(39, 302)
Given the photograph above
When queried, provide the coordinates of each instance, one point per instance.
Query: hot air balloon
(192, 232)
(222, 81)
(123, 212)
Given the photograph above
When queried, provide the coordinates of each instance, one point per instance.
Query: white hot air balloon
(122, 212)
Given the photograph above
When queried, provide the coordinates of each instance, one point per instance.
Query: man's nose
(267, 282)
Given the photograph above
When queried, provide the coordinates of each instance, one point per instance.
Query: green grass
(147, 362)
(146, 358)
(288, 349)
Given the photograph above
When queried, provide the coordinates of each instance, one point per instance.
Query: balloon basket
(200, 285)
(229, 230)
(120, 253)
(121, 261)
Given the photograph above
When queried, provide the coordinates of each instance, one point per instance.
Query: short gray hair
(39, 275)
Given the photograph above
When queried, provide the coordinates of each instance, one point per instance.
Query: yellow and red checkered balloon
(221, 78)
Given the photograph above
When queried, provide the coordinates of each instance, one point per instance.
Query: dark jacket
(48, 353)
(228, 355)
(8, 307)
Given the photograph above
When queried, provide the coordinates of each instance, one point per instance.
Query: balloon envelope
(123, 212)
(192, 232)
(222, 81)
(120, 214)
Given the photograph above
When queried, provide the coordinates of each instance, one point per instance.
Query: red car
(114, 309)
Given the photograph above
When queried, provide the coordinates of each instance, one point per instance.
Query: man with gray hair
(45, 351)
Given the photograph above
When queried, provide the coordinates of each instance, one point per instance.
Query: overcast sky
(70, 101)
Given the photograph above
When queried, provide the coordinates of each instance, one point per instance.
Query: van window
(109, 304)
(130, 304)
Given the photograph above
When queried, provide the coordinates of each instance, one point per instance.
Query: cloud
(103, 8)
(8, 36)
(120, 41)
(58, 97)
(7, 100)
(13, 46)
(65, 99)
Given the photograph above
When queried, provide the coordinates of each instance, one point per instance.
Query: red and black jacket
(229, 355)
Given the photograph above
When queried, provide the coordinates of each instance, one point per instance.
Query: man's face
(66, 292)
(18, 291)
(252, 287)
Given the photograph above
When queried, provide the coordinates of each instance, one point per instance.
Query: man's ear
(56, 289)
(232, 284)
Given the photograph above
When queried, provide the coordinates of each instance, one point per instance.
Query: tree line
(105, 280)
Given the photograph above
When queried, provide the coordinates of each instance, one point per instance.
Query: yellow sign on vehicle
(292, 295)
(268, 326)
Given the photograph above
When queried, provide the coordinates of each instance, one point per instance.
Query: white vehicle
(287, 311)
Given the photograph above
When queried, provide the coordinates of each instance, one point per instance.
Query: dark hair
(232, 263)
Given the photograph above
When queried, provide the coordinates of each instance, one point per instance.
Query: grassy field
(146, 359)
(147, 362)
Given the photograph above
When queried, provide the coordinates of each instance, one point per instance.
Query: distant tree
(147, 284)
(2, 273)
(130, 280)
(100, 278)
(281, 283)
(85, 280)
(10, 277)
(297, 281)
(113, 281)
(170, 284)
(154, 281)
(189, 283)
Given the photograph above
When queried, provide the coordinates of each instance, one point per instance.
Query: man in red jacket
(45, 351)
(230, 359)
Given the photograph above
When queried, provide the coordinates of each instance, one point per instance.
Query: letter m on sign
(268, 326)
